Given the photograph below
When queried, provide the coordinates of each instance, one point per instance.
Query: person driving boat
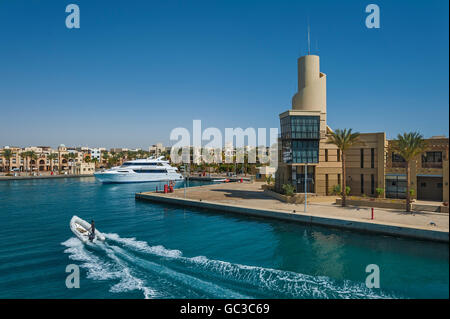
(92, 231)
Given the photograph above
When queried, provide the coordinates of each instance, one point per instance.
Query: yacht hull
(107, 177)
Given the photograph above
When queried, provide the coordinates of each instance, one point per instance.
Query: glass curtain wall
(300, 139)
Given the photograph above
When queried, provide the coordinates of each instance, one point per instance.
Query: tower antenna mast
(309, 40)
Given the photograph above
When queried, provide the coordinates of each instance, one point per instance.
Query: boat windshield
(138, 164)
(150, 171)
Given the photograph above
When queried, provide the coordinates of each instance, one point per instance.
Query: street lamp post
(186, 169)
(184, 186)
(306, 184)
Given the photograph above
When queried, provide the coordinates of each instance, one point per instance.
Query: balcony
(431, 164)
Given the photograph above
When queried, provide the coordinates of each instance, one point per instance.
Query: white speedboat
(140, 170)
(81, 228)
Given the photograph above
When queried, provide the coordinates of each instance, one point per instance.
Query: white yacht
(140, 170)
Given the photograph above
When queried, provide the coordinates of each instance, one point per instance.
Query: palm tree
(95, 161)
(25, 155)
(166, 155)
(87, 159)
(408, 146)
(7, 154)
(141, 153)
(51, 157)
(33, 157)
(113, 160)
(104, 157)
(343, 139)
(131, 155)
(120, 156)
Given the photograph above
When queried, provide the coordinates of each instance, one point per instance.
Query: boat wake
(163, 273)
(99, 269)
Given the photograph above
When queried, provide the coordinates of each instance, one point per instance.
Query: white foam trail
(144, 247)
(131, 282)
(100, 270)
(290, 284)
(191, 281)
(96, 269)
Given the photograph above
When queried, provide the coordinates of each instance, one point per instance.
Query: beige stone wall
(328, 165)
(369, 141)
(445, 188)
(332, 167)
(282, 176)
(84, 168)
(382, 166)
(416, 165)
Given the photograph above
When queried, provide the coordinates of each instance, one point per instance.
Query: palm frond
(344, 139)
(409, 145)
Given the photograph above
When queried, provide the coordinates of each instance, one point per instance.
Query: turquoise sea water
(157, 251)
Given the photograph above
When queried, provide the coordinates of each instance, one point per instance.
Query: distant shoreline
(15, 178)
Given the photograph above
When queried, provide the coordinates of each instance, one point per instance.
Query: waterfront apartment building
(306, 160)
(96, 153)
(118, 150)
(45, 159)
(156, 149)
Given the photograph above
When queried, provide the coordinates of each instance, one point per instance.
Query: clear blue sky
(137, 69)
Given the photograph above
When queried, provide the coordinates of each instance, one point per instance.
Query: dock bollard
(372, 213)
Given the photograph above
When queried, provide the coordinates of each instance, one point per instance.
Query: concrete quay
(249, 199)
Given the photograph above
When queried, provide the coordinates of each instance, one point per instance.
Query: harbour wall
(371, 227)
